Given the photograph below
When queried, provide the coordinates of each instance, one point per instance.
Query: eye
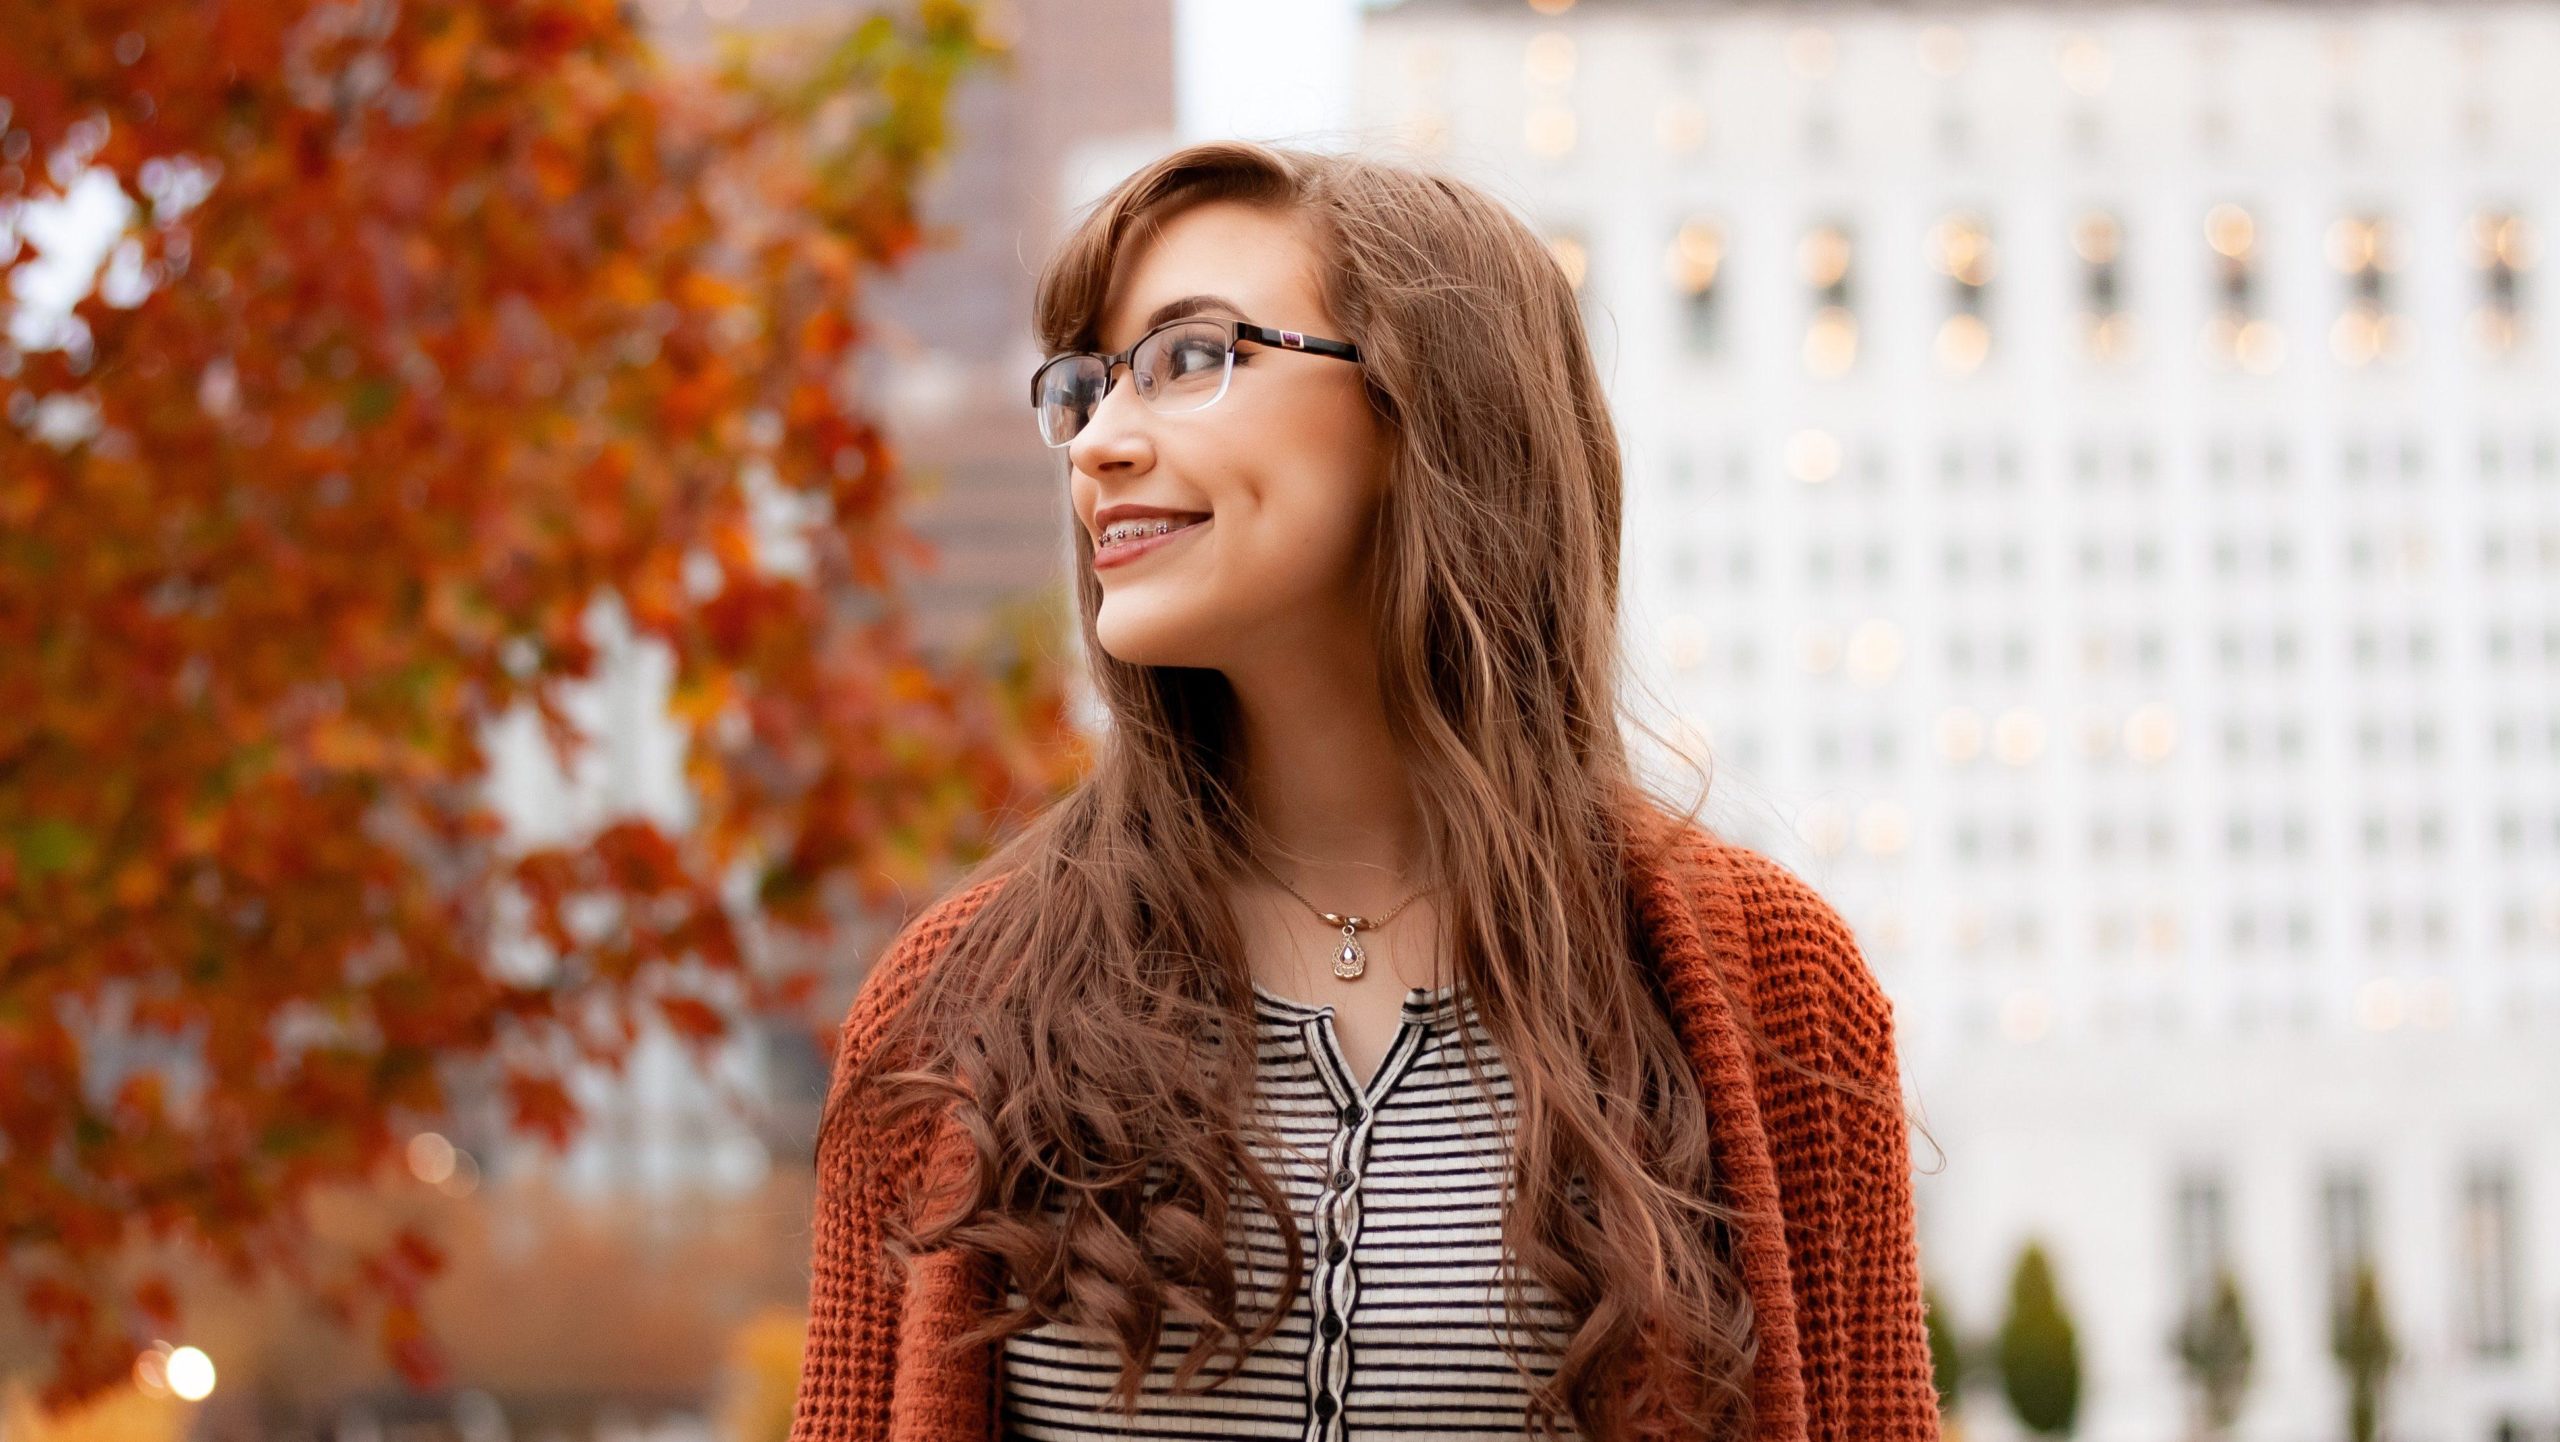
(1067, 381)
(1193, 354)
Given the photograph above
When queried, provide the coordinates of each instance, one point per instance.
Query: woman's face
(1288, 464)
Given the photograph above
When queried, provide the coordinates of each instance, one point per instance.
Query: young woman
(1359, 1049)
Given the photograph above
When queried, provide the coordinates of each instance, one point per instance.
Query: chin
(1153, 640)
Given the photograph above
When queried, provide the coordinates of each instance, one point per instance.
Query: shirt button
(1324, 1405)
(1342, 1180)
(1352, 1114)
(1337, 1252)
(1332, 1327)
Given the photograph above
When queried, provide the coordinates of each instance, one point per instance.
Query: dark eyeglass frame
(1237, 330)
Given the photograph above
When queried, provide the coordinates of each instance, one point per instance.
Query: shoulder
(904, 963)
(1799, 952)
(1792, 920)
(1806, 962)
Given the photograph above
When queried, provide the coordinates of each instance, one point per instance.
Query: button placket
(1337, 1221)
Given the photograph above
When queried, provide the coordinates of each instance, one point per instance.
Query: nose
(1114, 441)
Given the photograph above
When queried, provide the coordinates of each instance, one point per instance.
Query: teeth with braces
(1130, 530)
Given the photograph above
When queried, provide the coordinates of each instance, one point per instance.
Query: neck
(1324, 783)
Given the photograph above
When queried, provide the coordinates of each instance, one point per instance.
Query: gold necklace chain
(1351, 960)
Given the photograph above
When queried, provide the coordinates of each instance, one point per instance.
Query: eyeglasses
(1181, 365)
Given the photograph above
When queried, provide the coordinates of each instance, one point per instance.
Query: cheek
(1317, 448)
(1302, 523)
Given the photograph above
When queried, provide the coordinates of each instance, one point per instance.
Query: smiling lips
(1115, 552)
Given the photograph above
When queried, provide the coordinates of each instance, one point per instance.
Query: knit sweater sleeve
(854, 1298)
(1844, 1161)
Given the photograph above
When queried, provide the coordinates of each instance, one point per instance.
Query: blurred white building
(2094, 486)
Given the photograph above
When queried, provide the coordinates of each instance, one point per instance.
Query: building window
(1695, 263)
(2346, 1230)
(2203, 1240)
(2238, 332)
(1960, 249)
(1680, 127)
(2502, 250)
(2085, 463)
(1549, 130)
(2365, 249)
(1546, 72)
(2490, 1287)
(1827, 257)
(2106, 329)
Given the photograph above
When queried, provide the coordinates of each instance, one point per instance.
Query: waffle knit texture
(1820, 1180)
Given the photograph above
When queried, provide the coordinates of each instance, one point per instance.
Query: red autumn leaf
(154, 1299)
(418, 1252)
(541, 1106)
(694, 1021)
(410, 1348)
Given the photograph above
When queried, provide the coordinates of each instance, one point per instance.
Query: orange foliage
(453, 316)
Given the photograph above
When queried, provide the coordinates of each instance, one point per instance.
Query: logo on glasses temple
(1294, 340)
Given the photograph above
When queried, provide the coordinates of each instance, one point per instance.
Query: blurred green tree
(2213, 1344)
(1946, 1348)
(2360, 1339)
(2038, 1350)
(432, 328)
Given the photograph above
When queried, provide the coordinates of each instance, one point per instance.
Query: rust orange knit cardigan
(1821, 1181)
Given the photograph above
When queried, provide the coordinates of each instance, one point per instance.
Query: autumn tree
(433, 327)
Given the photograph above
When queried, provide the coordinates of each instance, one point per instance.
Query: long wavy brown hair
(1071, 1026)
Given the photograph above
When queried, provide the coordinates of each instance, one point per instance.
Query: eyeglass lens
(1180, 367)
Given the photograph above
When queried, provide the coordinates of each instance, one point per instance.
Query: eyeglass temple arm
(1298, 340)
(1267, 335)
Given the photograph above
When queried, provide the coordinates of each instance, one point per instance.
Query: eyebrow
(1191, 305)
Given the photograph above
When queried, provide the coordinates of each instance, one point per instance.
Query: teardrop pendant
(1349, 962)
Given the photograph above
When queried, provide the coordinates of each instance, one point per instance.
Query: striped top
(1397, 1189)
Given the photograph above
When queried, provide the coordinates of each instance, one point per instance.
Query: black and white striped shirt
(1397, 1189)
